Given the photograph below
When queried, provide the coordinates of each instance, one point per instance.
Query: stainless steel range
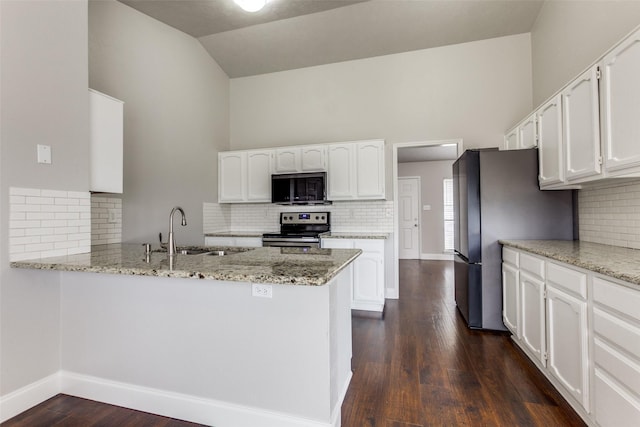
(299, 229)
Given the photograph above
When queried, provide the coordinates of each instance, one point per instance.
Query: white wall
(570, 35)
(431, 193)
(176, 117)
(473, 91)
(44, 101)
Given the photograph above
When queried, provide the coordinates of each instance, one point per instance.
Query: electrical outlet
(264, 291)
(112, 216)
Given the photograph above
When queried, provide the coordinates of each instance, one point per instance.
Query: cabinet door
(368, 278)
(549, 118)
(621, 109)
(370, 170)
(314, 158)
(511, 140)
(287, 160)
(527, 133)
(533, 315)
(510, 298)
(581, 124)
(232, 166)
(105, 142)
(259, 175)
(568, 354)
(341, 185)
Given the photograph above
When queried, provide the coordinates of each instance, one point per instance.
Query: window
(447, 191)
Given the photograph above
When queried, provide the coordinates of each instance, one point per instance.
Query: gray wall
(570, 35)
(44, 100)
(176, 117)
(431, 193)
(473, 91)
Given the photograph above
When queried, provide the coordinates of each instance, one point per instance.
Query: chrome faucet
(171, 244)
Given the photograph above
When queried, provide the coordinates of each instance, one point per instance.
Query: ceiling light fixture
(251, 5)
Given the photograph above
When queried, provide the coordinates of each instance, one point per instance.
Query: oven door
(296, 242)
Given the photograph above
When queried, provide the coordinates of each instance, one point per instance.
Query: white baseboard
(368, 306)
(169, 404)
(29, 396)
(177, 405)
(437, 257)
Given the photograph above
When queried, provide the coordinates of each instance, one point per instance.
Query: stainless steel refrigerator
(496, 196)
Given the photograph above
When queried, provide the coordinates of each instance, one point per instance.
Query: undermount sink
(202, 251)
(193, 251)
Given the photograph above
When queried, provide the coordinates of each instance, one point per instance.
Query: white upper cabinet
(511, 141)
(370, 170)
(287, 160)
(620, 87)
(524, 135)
(311, 158)
(341, 175)
(232, 184)
(244, 176)
(106, 131)
(527, 133)
(356, 171)
(259, 175)
(549, 118)
(581, 122)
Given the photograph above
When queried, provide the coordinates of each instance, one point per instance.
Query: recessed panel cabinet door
(533, 315)
(314, 158)
(259, 176)
(550, 142)
(510, 298)
(369, 277)
(341, 185)
(621, 107)
(582, 127)
(511, 140)
(568, 348)
(287, 160)
(370, 170)
(232, 184)
(527, 133)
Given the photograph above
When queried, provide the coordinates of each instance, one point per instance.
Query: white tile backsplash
(610, 214)
(104, 229)
(370, 216)
(45, 223)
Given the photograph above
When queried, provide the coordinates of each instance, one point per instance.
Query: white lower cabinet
(231, 241)
(567, 330)
(616, 350)
(368, 271)
(511, 291)
(581, 329)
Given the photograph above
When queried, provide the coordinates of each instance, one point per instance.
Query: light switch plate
(426, 207)
(44, 154)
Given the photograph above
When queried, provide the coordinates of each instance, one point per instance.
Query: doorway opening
(428, 163)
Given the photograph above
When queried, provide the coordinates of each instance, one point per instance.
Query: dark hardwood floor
(419, 366)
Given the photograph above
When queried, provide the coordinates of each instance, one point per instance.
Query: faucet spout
(172, 241)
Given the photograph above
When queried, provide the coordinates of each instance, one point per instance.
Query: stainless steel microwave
(299, 188)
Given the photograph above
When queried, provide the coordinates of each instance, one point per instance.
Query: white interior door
(408, 212)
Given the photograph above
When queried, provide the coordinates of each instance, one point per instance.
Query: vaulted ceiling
(289, 34)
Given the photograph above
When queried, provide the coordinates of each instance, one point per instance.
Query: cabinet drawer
(614, 407)
(617, 365)
(617, 297)
(567, 279)
(615, 330)
(369, 245)
(510, 256)
(532, 265)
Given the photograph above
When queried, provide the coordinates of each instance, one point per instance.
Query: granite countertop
(354, 235)
(613, 261)
(234, 234)
(292, 266)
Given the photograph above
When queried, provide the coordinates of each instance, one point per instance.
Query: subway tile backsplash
(610, 214)
(45, 223)
(369, 216)
(106, 219)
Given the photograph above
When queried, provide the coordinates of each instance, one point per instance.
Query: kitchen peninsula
(188, 338)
